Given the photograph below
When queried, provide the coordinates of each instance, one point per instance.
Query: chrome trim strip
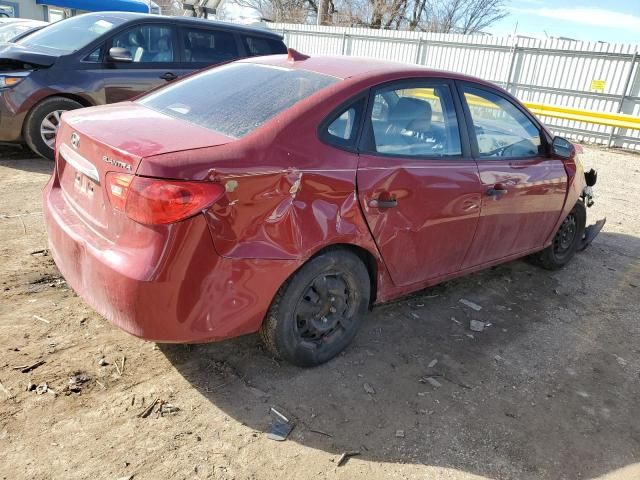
(80, 163)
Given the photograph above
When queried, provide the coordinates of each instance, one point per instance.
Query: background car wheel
(566, 241)
(318, 311)
(41, 125)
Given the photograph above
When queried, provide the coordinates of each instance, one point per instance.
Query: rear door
(417, 184)
(523, 188)
(153, 48)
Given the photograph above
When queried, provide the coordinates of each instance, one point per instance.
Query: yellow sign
(598, 85)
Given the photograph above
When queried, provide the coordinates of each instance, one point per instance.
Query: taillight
(118, 187)
(157, 201)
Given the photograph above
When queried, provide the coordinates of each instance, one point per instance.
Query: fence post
(623, 96)
(418, 51)
(512, 63)
(344, 42)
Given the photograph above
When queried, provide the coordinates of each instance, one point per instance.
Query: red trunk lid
(95, 141)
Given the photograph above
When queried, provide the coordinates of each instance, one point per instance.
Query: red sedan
(288, 194)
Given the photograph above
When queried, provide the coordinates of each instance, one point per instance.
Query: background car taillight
(158, 201)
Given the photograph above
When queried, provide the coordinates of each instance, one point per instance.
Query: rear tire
(42, 123)
(566, 240)
(317, 312)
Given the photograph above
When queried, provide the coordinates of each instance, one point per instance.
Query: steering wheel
(504, 151)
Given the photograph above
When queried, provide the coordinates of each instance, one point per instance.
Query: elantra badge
(116, 163)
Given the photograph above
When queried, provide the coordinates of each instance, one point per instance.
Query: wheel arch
(70, 96)
(368, 259)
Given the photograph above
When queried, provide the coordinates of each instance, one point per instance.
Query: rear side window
(236, 99)
(208, 46)
(415, 121)
(263, 46)
(341, 129)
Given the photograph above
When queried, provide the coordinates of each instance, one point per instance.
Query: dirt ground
(550, 390)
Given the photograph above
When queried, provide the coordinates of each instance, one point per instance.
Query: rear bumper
(189, 295)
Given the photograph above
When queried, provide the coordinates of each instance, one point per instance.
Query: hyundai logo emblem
(75, 140)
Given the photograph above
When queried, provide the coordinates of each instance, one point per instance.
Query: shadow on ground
(24, 160)
(548, 390)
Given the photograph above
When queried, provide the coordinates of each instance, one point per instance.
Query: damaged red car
(289, 194)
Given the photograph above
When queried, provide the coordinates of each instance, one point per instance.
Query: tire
(45, 110)
(316, 314)
(566, 240)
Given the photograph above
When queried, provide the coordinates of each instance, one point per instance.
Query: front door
(417, 184)
(155, 61)
(523, 187)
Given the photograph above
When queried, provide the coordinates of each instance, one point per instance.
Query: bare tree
(443, 16)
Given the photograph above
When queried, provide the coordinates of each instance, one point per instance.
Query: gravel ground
(550, 390)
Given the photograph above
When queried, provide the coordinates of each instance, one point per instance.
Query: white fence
(594, 76)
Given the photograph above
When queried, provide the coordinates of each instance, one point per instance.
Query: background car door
(523, 188)
(154, 53)
(417, 185)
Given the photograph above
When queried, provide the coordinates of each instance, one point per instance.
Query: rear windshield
(236, 99)
(72, 34)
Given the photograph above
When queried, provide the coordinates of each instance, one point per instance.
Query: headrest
(408, 110)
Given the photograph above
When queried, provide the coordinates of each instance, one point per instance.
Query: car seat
(136, 42)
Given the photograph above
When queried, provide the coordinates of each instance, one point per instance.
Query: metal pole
(512, 64)
(418, 51)
(623, 96)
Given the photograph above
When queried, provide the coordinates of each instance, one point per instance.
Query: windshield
(72, 34)
(238, 98)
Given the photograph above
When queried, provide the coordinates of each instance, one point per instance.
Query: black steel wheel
(566, 236)
(566, 240)
(318, 311)
(326, 308)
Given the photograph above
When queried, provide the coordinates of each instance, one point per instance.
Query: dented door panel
(521, 217)
(427, 234)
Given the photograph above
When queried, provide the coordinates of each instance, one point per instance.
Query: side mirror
(563, 148)
(119, 54)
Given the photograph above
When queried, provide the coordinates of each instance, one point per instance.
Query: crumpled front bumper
(592, 231)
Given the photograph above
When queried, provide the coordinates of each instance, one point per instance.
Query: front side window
(208, 46)
(72, 34)
(414, 121)
(502, 129)
(236, 99)
(147, 43)
(95, 56)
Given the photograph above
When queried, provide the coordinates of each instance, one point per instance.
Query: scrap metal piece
(590, 233)
(280, 426)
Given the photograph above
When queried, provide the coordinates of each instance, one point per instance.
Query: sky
(614, 21)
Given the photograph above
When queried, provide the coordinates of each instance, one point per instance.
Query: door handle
(168, 76)
(387, 203)
(497, 190)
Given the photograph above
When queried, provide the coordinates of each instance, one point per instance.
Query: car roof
(12, 20)
(24, 21)
(200, 22)
(349, 67)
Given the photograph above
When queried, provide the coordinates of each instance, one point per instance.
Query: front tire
(566, 240)
(42, 122)
(317, 312)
